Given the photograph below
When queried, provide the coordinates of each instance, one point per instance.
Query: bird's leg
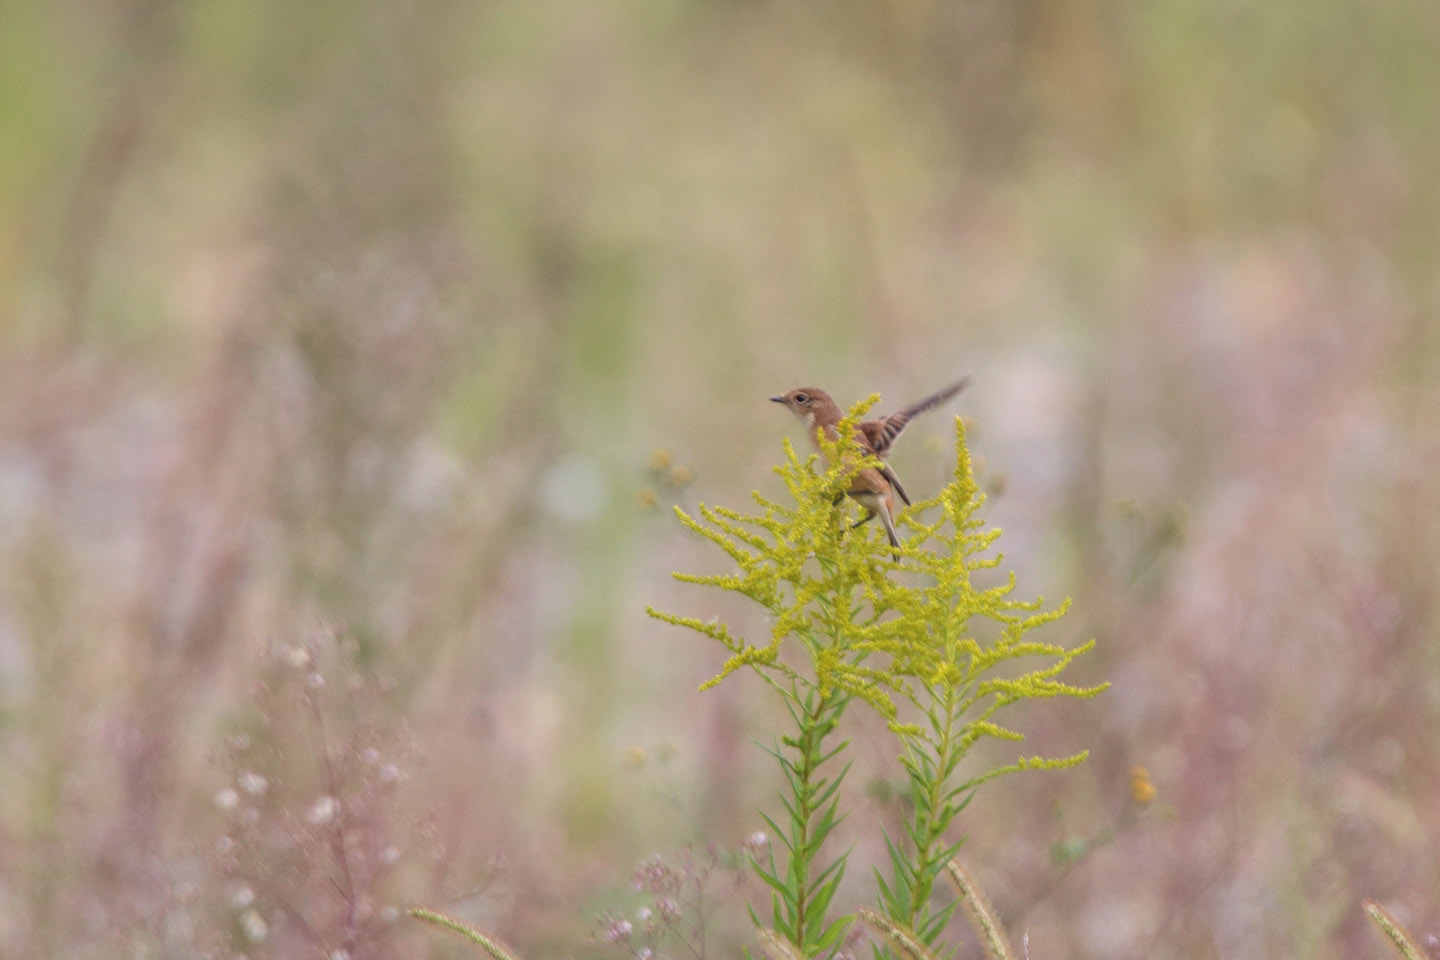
(889, 522)
(869, 515)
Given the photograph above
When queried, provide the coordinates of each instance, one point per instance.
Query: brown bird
(874, 489)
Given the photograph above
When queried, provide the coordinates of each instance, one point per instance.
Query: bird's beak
(777, 399)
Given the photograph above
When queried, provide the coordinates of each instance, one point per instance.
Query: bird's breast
(870, 482)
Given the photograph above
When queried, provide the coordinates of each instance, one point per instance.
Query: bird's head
(811, 404)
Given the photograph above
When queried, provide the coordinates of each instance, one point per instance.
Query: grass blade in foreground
(490, 946)
(982, 915)
(1398, 935)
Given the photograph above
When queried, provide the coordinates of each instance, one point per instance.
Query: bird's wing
(882, 433)
(872, 435)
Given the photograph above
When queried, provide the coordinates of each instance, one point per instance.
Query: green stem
(919, 859)
(803, 894)
(810, 738)
(931, 823)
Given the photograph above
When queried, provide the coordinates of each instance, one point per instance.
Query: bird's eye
(802, 398)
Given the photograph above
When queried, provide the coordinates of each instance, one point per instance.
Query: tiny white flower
(644, 954)
(389, 913)
(758, 839)
(389, 855)
(322, 810)
(252, 783)
(389, 773)
(340, 954)
(642, 914)
(315, 681)
(227, 799)
(253, 926)
(241, 896)
(299, 657)
(371, 755)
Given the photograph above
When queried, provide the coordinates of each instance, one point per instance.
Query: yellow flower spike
(947, 675)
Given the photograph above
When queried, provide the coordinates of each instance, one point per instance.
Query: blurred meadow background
(351, 355)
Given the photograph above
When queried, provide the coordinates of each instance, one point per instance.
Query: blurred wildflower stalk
(1404, 942)
(896, 634)
(488, 944)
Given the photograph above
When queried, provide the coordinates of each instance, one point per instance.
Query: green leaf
(834, 753)
(833, 934)
(779, 886)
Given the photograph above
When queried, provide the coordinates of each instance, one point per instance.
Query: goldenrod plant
(910, 630)
(956, 683)
(819, 584)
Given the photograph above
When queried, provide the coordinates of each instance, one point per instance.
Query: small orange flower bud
(1142, 791)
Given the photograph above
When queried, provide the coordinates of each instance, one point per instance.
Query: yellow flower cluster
(916, 627)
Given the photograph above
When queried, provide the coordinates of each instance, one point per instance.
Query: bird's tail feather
(935, 399)
(889, 522)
